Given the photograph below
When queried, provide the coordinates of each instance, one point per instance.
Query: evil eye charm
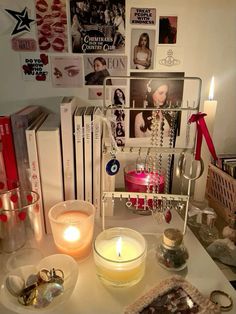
(112, 167)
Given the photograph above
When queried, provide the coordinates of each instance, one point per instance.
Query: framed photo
(97, 26)
(153, 90)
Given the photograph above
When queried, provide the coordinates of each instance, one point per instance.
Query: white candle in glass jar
(72, 225)
(119, 255)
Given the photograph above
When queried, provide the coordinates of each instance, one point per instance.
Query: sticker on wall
(169, 60)
(95, 93)
(167, 29)
(142, 49)
(169, 57)
(143, 16)
(22, 20)
(35, 67)
(97, 26)
(97, 68)
(66, 71)
(23, 44)
(51, 21)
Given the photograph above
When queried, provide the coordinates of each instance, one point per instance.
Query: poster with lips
(51, 22)
(35, 67)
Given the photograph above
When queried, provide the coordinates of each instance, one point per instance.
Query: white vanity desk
(92, 297)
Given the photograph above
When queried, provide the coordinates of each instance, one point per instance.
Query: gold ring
(224, 308)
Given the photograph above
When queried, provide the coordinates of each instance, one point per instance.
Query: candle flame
(71, 234)
(118, 246)
(211, 92)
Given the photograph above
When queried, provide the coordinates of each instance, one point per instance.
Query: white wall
(206, 39)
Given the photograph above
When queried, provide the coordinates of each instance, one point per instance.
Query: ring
(224, 308)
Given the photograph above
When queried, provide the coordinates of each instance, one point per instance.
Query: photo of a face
(160, 95)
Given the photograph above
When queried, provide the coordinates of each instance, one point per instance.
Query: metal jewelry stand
(190, 104)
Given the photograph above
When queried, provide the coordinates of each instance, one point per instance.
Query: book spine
(3, 177)
(35, 177)
(79, 154)
(52, 181)
(88, 158)
(8, 152)
(97, 133)
(19, 124)
(67, 133)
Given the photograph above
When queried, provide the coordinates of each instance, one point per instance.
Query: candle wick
(119, 255)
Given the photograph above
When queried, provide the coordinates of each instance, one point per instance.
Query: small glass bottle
(171, 253)
(209, 233)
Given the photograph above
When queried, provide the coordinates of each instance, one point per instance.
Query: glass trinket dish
(171, 252)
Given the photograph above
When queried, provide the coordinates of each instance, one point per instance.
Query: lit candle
(210, 106)
(72, 225)
(138, 180)
(119, 255)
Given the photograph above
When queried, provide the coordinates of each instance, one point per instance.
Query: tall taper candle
(209, 108)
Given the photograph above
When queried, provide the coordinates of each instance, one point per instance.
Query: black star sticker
(23, 21)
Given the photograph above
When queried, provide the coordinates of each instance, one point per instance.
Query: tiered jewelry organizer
(174, 150)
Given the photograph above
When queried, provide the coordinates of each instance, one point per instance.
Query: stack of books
(227, 163)
(56, 155)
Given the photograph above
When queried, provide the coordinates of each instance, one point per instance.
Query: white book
(50, 163)
(35, 179)
(88, 151)
(79, 151)
(67, 109)
(97, 160)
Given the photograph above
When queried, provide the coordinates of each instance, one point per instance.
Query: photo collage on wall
(79, 43)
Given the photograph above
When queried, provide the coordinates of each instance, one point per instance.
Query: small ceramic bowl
(58, 261)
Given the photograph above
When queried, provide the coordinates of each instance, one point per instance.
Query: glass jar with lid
(171, 252)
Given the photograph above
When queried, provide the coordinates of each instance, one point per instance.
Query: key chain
(113, 165)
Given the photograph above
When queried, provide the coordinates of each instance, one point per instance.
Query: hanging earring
(113, 165)
(128, 203)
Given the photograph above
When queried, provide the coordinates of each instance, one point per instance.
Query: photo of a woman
(142, 48)
(156, 97)
(154, 91)
(119, 97)
(142, 53)
(100, 72)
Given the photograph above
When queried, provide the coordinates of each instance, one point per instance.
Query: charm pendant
(112, 167)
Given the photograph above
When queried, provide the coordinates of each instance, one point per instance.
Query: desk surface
(91, 296)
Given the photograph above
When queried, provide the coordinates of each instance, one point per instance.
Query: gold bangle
(223, 308)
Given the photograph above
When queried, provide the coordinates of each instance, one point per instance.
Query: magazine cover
(97, 68)
(97, 26)
(153, 91)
